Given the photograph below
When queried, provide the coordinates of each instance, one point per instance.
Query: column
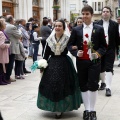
(29, 11)
(67, 16)
(24, 8)
(62, 8)
(0, 7)
(18, 10)
(45, 8)
(51, 10)
(41, 10)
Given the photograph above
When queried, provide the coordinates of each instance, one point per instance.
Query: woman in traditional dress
(59, 88)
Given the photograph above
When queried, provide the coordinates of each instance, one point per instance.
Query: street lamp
(85, 2)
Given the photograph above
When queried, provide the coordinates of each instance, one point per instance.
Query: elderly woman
(4, 55)
(59, 88)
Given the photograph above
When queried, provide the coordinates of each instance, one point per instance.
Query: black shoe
(58, 116)
(1, 116)
(108, 92)
(26, 71)
(102, 87)
(118, 65)
(86, 115)
(93, 115)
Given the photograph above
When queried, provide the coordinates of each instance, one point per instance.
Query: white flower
(42, 63)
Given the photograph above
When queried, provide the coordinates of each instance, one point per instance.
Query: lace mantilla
(57, 47)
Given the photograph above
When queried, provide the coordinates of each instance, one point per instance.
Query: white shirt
(105, 26)
(36, 38)
(119, 29)
(87, 29)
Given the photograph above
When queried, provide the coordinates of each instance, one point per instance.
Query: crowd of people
(65, 83)
(18, 41)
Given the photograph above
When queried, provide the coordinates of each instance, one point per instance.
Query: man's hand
(94, 56)
(74, 47)
(80, 53)
(40, 38)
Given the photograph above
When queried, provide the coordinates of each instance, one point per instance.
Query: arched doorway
(7, 8)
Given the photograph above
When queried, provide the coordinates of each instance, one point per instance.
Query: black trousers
(35, 51)
(19, 67)
(88, 74)
(10, 66)
(24, 68)
(43, 45)
(107, 61)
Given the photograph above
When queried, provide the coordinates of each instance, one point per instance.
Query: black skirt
(59, 87)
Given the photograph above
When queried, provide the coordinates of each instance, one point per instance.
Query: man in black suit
(112, 38)
(88, 59)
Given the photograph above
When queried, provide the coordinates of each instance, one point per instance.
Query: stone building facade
(41, 8)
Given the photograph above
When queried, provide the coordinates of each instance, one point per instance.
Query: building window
(72, 7)
(35, 2)
(7, 8)
(97, 6)
(36, 9)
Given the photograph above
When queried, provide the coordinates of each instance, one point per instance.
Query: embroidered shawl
(52, 42)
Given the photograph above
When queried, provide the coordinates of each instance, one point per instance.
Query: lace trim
(52, 43)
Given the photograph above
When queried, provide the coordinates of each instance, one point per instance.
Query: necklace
(57, 40)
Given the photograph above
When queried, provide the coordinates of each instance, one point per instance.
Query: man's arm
(25, 34)
(72, 42)
(103, 45)
(117, 39)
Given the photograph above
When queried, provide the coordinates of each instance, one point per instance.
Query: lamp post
(85, 2)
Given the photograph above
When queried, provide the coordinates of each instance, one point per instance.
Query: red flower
(85, 42)
(86, 35)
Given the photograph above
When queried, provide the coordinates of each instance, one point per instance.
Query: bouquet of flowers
(41, 64)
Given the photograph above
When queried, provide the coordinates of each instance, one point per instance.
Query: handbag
(7, 40)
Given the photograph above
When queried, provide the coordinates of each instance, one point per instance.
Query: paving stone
(18, 100)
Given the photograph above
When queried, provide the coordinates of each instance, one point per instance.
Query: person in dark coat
(113, 42)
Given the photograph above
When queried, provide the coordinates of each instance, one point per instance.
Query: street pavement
(18, 100)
